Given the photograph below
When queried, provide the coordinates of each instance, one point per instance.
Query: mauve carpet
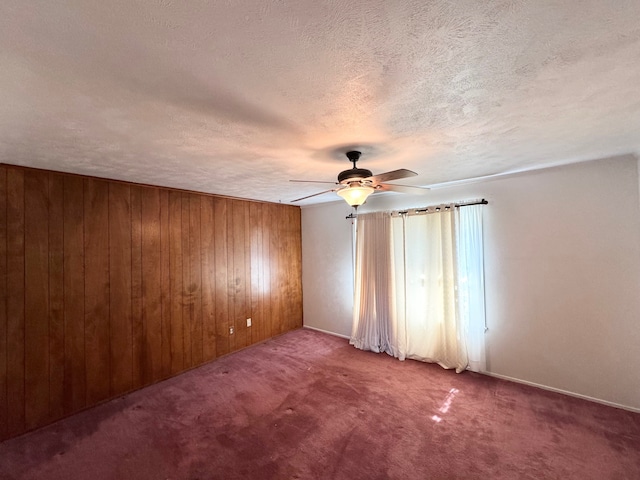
(306, 405)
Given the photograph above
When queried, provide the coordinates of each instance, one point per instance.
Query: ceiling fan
(356, 184)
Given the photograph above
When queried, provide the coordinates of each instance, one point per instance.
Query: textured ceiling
(238, 97)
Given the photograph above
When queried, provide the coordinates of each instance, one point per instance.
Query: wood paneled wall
(106, 287)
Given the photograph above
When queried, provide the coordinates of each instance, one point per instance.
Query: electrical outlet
(248, 322)
(230, 330)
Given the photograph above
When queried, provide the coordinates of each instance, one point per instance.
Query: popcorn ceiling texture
(238, 97)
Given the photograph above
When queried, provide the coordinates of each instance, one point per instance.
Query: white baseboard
(564, 392)
(326, 331)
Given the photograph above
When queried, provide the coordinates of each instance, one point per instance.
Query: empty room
(319, 240)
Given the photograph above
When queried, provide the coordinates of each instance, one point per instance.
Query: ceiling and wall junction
(236, 98)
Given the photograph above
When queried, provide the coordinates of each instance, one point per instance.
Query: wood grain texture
(175, 273)
(56, 296)
(108, 287)
(265, 224)
(185, 298)
(222, 292)
(293, 262)
(15, 302)
(3, 304)
(237, 280)
(73, 265)
(194, 292)
(96, 290)
(246, 275)
(275, 261)
(296, 271)
(36, 294)
(151, 286)
(231, 289)
(165, 284)
(208, 275)
(137, 330)
(120, 324)
(257, 271)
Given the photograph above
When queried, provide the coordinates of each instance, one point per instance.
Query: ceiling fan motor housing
(353, 175)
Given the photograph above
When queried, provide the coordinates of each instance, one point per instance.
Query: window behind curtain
(420, 286)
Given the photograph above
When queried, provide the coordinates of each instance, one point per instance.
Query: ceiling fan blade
(386, 187)
(315, 195)
(393, 175)
(313, 181)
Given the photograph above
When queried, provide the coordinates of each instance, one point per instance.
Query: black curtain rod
(437, 207)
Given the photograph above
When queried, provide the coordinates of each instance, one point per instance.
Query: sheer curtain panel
(470, 283)
(428, 258)
(374, 313)
(419, 288)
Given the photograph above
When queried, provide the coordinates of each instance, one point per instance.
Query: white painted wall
(562, 267)
(327, 267)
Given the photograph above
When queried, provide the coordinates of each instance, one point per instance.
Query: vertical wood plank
(240, 279)
(137, 339)
(289, 300)
(292, 265)
(15, 301)
(263, 254)
(270, 266)
(274, 258)
(287, 255)
(96, 244)
(276, 273)
(195, 284)
(296, 270)
(208, 280)
(121, 353)
(56, 296)
(298, 266)
(151, 286)
(266, 268)
(73, 231)
(165, 280)
(285, 282)
(221, 283)
(175, 268)
(289, 260)
(288, 280)
(246, 275)
(231, 277)
(4, 427)
(256, 272)
(186, 283)
(36, 320)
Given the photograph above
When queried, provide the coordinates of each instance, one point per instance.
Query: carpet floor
(306, 405)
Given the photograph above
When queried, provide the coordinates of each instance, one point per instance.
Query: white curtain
(419, 286)
(374, 314)
(470, 283)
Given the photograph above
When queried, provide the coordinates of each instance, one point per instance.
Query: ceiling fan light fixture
(356, 184)
(356, 195)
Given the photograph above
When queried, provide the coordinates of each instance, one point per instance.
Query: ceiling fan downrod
(354, 174)
(353, 156)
